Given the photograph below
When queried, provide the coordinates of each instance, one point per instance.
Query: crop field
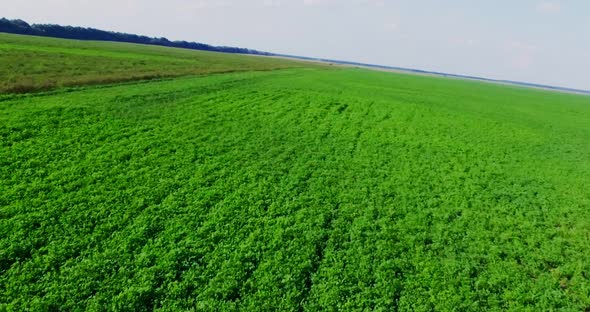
(299, 189)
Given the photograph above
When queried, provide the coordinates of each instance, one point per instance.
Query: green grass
(298, 189)
(34, 63)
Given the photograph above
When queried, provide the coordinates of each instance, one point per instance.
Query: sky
(537, 41)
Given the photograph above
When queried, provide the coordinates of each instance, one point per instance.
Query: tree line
(82, 33)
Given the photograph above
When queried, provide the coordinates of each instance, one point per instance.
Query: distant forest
(80, 33)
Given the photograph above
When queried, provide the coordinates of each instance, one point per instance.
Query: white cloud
(463, 42)
(392, 26)
(272, 3)
(311, 2)
(375, 3)
(208, 4)
(549, 7)
(346, 3)
(522, 55)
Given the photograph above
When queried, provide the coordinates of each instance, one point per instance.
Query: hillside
(29, 63)
(296, 189)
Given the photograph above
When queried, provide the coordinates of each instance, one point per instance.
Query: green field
(35, 63)
(299, 189)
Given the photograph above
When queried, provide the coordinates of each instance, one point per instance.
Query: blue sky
(540, 41)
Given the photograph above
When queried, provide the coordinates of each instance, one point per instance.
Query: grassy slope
(298, 188)
(34, 63)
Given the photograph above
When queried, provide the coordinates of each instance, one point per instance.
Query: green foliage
(300, 189)
(34, 64)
